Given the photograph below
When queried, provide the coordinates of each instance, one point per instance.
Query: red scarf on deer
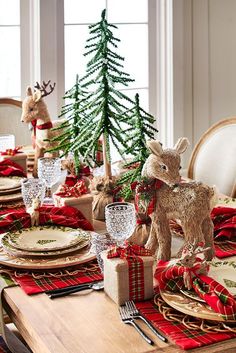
(45, 126)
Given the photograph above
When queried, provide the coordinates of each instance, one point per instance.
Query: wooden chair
(213, 160)
(10, 113)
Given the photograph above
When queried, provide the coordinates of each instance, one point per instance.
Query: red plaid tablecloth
(179, 333)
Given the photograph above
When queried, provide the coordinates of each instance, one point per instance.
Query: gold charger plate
(7, 183)
(191, 307)
(21, 253)
(84, 255)
(45, 238)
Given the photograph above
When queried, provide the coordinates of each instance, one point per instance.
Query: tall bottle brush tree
(106, 107)
(142, 130)
(76, 118)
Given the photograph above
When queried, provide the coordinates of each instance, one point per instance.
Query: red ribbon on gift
(11, 152)
(131, 253)
(73, 191)
(170, 276)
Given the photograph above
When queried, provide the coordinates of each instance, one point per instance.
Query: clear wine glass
(120, 221)
(32, 188)
(49, 170)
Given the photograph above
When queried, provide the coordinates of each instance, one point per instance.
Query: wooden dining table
(85, 322)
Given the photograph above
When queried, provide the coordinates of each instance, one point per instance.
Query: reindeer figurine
(34, 211)
(190, 203)
(34, 110)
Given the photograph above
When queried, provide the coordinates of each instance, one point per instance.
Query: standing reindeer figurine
(34, 110)
(190, 203)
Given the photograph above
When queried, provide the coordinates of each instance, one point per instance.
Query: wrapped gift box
(83, 203)
(116, 278)
(19, 158)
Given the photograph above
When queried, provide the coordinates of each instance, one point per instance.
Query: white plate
(23, 253)
(224, 272)
(7, 183)
(45, 238)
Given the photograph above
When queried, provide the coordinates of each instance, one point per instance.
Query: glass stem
(48, 192)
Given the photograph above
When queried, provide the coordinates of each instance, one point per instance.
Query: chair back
(10, 114)
(213, 160)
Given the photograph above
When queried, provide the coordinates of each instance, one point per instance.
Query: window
(132, 31)
(10, 48)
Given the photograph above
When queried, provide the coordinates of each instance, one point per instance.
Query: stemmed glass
(120, 221)
(49, 170)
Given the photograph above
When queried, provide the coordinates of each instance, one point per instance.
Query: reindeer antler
(44, 86)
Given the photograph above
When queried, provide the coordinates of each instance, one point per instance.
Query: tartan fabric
(224, 219)
(78, 189)
(36, 282)
(64, 216)
(10, 168)
(145, 195)
(170, 276)
(131, 253)
(179, 333)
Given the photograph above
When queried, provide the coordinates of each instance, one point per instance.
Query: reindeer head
(33, 106)
(164, 164)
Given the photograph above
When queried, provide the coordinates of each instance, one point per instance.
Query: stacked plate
(188, 302)
(45, 247)
(10, 190)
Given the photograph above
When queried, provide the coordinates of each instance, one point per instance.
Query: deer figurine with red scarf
(34, 111)
(189, 202)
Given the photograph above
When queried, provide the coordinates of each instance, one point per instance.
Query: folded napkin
(171, 275)
(64, 216)
(10, 168)
(224, 219)
(178, 332)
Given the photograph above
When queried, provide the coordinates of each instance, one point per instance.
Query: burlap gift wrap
(117, 282)
(19, 158)
(83, 203)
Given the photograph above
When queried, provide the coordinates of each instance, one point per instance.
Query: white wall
(204, 56)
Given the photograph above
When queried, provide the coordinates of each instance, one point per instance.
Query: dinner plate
(45, 238)
(224, 272)
(10, 197)
(10, 191)
(7, 183)
(190, 306)
(84, 255)
(85, 241)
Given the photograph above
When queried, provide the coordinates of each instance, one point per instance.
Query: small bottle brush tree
(105, 106)
(141, 131)
(75, 113)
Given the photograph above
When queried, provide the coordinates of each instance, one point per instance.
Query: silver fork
(127, 319)
(135, 314)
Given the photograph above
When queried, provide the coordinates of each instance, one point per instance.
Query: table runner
(179, 333)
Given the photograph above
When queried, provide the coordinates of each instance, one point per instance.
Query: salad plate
(85, 241)
(45, 238)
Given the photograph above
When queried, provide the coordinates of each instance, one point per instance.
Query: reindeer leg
(39, 152)
(163, 237)
(208, 230)
(152, 243)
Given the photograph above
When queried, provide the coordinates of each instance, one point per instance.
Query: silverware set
(62, 292)
(129, 313)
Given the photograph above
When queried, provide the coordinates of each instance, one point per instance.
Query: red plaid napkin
(10, 168)
(64, 216)
(33, 283)
(179, 333)
(170, 276)
(224, 219)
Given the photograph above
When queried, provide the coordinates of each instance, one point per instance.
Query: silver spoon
(66, 291)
